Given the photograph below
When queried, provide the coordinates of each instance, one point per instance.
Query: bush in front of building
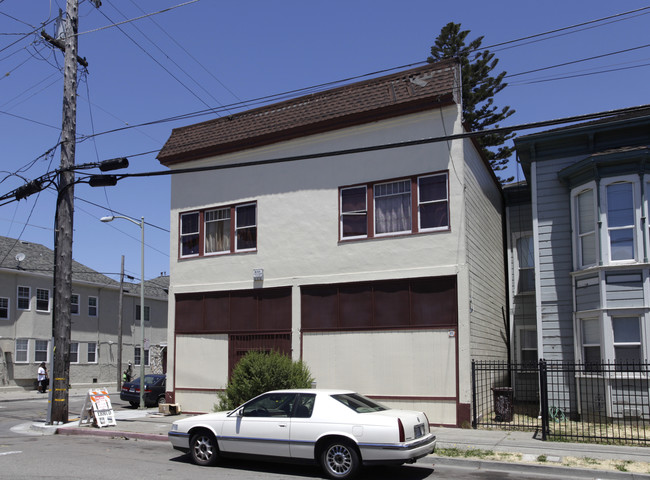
(258, 372)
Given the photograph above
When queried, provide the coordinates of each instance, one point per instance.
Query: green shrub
(259, 372)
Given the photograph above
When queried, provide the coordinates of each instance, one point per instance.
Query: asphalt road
(25, 455)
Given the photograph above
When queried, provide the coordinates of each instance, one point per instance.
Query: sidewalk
(150, 425)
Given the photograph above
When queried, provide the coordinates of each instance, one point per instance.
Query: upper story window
(526, 264)
(24, 296)
(74, 304)
(4, 308)
(585, 211)
(212, 231)
(93, 306)
(146, 313)
(42, 300)
(405, 206)
(620, 220)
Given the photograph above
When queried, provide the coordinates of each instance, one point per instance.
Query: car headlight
(174, 427)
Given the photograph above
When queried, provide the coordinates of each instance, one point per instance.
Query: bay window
(217, 230)
(627, 341)
(620, 220)
(586, 228)
(591, 342)
(396, 207)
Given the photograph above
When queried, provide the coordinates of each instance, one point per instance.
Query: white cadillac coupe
(339, 429)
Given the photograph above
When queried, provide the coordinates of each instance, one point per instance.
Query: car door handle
(282, 425)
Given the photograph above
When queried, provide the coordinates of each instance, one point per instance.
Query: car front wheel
(203, 448)
(340, 460)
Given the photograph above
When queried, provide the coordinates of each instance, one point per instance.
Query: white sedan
(339, 429)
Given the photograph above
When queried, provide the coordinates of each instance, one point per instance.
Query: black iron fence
(603, 402)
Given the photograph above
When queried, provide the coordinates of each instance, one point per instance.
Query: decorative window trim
(235, 233)
(383, 189)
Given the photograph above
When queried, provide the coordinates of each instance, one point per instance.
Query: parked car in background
(339, 429)
(154, 391)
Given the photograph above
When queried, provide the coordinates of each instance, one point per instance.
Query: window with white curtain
(393, 207)
(405, 206)
(217, 231)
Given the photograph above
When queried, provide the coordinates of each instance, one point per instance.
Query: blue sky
(211, 54)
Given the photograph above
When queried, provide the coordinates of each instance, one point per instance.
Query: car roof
(321, 391)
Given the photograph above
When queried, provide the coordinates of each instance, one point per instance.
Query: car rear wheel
(203, 448)
(161, 400)
(340, 460)
(135, 404)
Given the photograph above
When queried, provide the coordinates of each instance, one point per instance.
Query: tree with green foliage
(258, 372)
(478, 90)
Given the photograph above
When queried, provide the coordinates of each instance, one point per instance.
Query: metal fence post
(543, 396)
(474, 420)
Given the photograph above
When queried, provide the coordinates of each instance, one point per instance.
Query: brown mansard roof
(392, 95)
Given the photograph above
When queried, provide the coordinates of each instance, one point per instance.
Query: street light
(141, 225)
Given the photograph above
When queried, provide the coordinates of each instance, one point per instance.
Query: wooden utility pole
(61, 321)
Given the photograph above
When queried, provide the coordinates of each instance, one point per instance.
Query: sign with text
(97, 409)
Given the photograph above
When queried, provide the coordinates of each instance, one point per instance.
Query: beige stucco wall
(298, 244)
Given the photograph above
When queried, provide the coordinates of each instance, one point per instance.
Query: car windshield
(359, 403)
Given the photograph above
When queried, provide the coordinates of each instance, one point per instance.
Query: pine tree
(478, 89)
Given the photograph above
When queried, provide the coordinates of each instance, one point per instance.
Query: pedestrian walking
(43, 380)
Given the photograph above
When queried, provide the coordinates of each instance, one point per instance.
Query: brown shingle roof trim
(409, 91)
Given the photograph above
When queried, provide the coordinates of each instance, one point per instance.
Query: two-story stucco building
(345, 228)
(26, 283)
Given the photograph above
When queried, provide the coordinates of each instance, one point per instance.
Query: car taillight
(400, 426)
(147, 391)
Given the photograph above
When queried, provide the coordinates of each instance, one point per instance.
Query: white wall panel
(391, 363)
(201, 361)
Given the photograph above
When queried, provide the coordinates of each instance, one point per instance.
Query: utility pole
(61, 321)
(119, 328)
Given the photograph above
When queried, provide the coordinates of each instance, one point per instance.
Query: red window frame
(370, 210)
(235, 231)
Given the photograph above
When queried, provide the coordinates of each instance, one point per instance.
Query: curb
(561, 472)
(111, 433)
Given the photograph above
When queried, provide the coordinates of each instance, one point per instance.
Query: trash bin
(502, 404)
